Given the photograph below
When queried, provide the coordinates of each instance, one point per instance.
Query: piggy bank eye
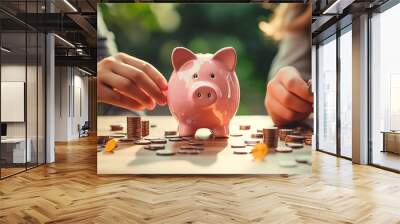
(212, 75)
(195, 75)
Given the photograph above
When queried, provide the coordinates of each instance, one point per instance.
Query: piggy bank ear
(227, 56)
(180, 56)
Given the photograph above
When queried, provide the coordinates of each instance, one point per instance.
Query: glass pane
(346, 94)
(31, 97)
(13, 85)
(385, 86)
(41, 99)
(327, 96)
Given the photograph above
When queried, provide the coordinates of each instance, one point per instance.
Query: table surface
(217, 158)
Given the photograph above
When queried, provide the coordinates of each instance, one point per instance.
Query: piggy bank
(203, 90)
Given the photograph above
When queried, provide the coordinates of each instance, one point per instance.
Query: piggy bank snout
(204, 95)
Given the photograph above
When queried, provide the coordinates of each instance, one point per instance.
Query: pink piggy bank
(203, 91)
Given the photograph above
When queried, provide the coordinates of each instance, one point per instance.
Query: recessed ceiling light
(70, 5)
(65, 41)
(5, 50)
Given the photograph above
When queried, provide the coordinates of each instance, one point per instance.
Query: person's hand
(288, 98)
(130, 83)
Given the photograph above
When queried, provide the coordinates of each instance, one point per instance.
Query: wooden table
(217, 158)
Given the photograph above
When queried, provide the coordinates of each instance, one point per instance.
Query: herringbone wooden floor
(69, 191)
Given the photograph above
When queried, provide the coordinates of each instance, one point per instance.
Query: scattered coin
(189, 152)
(257, 135)
(166, 133)
(238, 145)
(244, 127)
(303, 159)
(152, 138)
(288, 163)
(187, 138)
(176, 139)
(159, 141)
(171, 136)
(295, 145)
(154, 147)
(240, 152)
(196, 143)
(165, 152)
(259, 130)
(153, 125)
(142, 142)
(116, 127)
(251, 142)
(236, 134)
(191, 147)
(294, 138)
(284, 149)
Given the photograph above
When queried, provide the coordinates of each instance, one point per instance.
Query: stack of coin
(283, 133)
(133, 128)
(308, 138)
(294, 139)
(271, 137)
(145, 128)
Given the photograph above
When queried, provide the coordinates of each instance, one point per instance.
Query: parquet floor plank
(70, 191)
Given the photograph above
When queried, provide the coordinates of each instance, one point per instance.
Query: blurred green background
(151, 31)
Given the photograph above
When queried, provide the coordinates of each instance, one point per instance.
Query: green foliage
(151, 31)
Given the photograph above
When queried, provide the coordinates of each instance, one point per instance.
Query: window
(345, 43)
(326, 95)
(385, 89)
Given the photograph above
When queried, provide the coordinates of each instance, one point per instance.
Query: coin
(251, 141)
(133, 127)
(295, 145)
(165, 152)
(171, 136)
(244, 127)
(284, 149)
(270, 136)
(288, 163)
(143, 142)
(240, 151)
(257, 135)
(116, 127)
(170, 133)
(236, 134)
(145, 128)
(176, 139)
(154, 147)
(191, 147)
(196, 143)
(238, 145)
(159, 141)
(303, 159)
(189, 152)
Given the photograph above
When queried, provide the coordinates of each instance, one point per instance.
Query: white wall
(70, 84)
